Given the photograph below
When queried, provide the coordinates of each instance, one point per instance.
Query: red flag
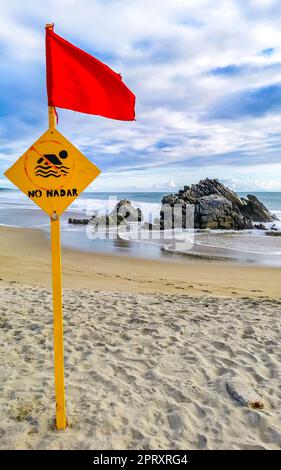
(80, 82)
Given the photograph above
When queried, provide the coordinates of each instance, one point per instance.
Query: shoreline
(25, 258)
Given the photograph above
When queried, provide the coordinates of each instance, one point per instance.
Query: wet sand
(25, 258)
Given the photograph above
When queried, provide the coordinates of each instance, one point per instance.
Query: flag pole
(57, 303)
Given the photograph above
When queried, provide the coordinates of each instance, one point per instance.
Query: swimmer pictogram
(50, 165)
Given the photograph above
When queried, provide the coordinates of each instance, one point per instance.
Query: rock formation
(215, 207)
(128, 212)
(206, 205)
(124, 212)
(71, 220)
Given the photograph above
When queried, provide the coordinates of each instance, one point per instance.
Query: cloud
(171, 184)
(268, 51)
(251, 102)
(207, 76)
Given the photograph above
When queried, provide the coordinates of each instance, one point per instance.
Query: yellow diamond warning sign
(52, 173)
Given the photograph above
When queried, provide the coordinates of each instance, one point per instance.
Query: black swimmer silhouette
(47, 166)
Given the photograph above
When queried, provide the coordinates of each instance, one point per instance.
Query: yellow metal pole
(58, 317)
(57, 304)
(58, 324)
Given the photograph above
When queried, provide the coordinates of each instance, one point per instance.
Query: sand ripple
(142, 371)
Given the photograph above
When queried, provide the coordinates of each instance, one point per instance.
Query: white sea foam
(277, 223)
(219, 242)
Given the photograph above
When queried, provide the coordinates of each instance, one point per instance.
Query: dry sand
(149, 348)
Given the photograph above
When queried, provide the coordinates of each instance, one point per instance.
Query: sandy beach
(149, 349)
(25, 258)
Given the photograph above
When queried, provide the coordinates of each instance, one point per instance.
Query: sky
(207, 80)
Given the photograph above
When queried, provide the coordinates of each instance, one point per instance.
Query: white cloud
(171, 184)
(165, 50)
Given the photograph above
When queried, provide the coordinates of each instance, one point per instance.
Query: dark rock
(256, 210)
(215, 207)
(170, 199)
(108, 220)
(123, 213)
(120, 219)
(78, 221)
(179, 215)
(260, 226)
(125, 209)
(214, 211)
(103, 220)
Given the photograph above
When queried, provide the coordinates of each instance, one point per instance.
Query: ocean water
(251, 246)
